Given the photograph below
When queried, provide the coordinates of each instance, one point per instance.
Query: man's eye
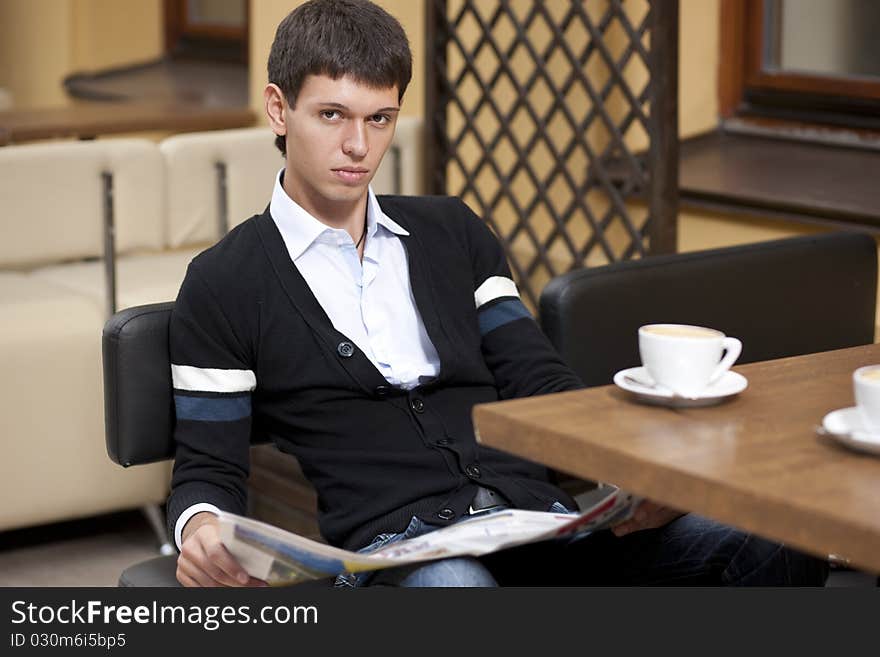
(329, 114)
(381, 119)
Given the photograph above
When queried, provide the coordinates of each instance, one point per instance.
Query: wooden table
(90, 120)
(754, 462)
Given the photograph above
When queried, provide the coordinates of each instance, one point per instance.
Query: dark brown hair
(337, 38)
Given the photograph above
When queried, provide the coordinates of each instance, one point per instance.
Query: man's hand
(648, 515)
(204, 561)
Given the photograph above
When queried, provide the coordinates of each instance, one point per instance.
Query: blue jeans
(689, 551)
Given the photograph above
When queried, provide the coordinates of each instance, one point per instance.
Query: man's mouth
(351, 174)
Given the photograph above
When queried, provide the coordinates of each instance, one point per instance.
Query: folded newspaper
(280, 557)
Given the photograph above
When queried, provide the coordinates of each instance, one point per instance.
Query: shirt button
(446, 514)
(418, 405)
(382, 391)
(444, 441)
(345, 349)
(473, 471)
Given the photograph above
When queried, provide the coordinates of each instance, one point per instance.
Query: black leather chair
(139, 407)
(781, 298)
(139, 410)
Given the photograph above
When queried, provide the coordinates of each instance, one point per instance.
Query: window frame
(745, 89)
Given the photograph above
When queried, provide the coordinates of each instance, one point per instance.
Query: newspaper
(280, 557)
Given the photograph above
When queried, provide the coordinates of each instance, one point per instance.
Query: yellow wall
(266, 14)
(116, 33)
(35, 46)
(708, 230)
(42, 41)
(699, 53)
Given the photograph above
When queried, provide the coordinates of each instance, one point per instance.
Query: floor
(88, 552)
(94, 551)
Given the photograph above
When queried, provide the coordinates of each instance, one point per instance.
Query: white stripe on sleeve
(493, 288)
(188, 513)
(205, 379)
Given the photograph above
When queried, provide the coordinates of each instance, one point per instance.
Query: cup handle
(733, 347)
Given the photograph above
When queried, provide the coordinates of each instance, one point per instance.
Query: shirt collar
(299, 229)
(375, 210)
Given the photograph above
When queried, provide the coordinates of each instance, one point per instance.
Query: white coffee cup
(866, 385)
(684, 358)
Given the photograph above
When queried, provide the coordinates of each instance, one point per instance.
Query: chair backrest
(781, 298)
(138, 395)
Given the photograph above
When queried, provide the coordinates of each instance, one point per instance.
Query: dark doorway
(214, 30)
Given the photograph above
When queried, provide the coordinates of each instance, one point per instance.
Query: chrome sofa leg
(157, 521)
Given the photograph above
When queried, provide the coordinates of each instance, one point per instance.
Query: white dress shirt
(369, 301)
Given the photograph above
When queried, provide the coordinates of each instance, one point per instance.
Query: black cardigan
(376, 455)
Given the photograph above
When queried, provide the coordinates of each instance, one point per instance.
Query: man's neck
(347, 215)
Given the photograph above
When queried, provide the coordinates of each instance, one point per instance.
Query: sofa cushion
(140, 279)
(54, 463)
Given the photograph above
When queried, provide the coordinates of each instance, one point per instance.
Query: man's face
(337, 133)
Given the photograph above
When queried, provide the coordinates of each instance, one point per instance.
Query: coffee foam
(682, 331)
(872, 374)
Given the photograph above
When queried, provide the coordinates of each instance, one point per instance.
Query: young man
(357, 333)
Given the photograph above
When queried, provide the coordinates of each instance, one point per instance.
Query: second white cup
(684, 358)
(866, 386)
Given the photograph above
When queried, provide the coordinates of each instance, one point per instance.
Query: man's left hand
(648, 515)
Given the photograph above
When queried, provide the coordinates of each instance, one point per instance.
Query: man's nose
(355, 142)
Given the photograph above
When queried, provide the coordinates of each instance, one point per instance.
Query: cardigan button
(418, 405)
(446, 514)
(473, 471)
(382, 391)
(345, 349)
(443, 442)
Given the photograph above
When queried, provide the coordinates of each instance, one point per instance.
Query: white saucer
(637, 381)
(845, 426)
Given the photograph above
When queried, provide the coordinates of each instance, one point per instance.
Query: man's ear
(275, 106)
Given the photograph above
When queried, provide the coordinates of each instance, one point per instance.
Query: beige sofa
(53, 463)
(165, 203)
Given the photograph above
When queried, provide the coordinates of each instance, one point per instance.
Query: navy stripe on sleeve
(499, 314)
(212, 409)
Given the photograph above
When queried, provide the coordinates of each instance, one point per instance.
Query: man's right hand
(204, 560)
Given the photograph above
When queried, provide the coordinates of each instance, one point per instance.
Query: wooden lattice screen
(556, 122)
